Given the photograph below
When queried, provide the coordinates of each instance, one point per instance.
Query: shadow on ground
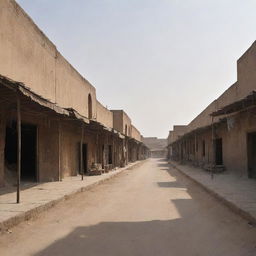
(23, 186)
(201, 229)
(169, 184)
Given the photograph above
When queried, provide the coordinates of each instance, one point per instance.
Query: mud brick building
(175, 134)
(157, 147)
(223, 136)
(51, 123)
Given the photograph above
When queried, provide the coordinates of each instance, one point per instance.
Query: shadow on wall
(200, 230)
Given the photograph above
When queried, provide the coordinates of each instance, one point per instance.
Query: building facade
(223, 136)
(51, 123)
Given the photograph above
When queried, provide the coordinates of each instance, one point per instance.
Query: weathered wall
(70, 136)
(122, 120)
(48, 150)
(127, 123)
(234, 144)
(104, 116)
(70, 148)
(203, 119)
(118, 120)
(245, 84)
(177, 132)
(47, 144)
(205, 136)
(27, 55)
(170, 137)
(90, 140)
(246, 74)
(136, 134)
(72, 89)
(229, 96)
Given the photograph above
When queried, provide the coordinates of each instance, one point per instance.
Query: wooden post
(213, 148)
(97, 149)
(81, 152)
(127, 151)
(195, 148)
(18, 148)
(113, 151)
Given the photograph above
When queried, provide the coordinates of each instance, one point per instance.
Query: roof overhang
(247, 102)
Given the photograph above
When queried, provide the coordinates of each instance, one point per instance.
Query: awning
(75, 114)
(25, 91)
(236, 106)
(21, 88)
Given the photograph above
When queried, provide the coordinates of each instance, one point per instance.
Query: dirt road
(152, 210)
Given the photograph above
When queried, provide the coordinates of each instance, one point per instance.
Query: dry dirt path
(152, 211)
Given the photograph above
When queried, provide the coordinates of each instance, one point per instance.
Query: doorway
(110, 160)
(85, 158)
(251, 153)
(218, 152)
(28, 150)
(103, 156)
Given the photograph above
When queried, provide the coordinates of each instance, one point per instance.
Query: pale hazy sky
(162, 61)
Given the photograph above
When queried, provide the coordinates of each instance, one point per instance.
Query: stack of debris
(95, 169)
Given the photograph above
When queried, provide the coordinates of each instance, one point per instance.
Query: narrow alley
(150, 210)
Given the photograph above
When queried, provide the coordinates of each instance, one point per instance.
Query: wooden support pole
(195, 149)
(97, 149)
(127, 151)
(213, 149)
(81, 153)
(113, 151)
(18, 148)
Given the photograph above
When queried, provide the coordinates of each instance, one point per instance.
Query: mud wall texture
(104, 116)
(28, 56)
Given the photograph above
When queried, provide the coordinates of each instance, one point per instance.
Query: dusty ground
(151, 211)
